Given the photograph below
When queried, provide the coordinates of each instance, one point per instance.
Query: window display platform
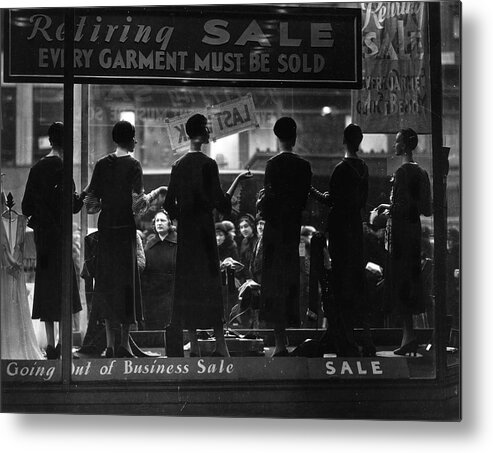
(263, 396)
(381, 336)
(385, 386)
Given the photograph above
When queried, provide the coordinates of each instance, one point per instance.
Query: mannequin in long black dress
(409, 199)
(116, 189)
(42, 203)
(348, 192)
(194, 191)
(286, 186)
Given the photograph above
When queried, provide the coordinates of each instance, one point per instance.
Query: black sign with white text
(254, 46)
(207, 368)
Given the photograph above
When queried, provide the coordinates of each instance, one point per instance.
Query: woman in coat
(226, 245)
(159, 273)
(246, 225)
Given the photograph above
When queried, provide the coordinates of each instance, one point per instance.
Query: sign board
(175, 127)
(226, 118)
(244, 45)
(396, 69)
(207, 368)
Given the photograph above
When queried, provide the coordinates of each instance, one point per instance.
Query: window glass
(31, 271)
(241, 122)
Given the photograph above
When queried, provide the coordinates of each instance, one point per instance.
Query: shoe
(192, 354)
(109, 353)
(121, 352)
(283, 353)
(410, 348)
(51, 353)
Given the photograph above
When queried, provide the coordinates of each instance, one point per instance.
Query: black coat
(348, 193)
(117, 289)
(247, 250)
(42, 203)
(194, 191)
(158, 281)
(287, 184)
(403, 283)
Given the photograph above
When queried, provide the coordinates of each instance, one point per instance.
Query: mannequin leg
(408, 333)
(280, 340)
(174, 340)
(50, 333)
(221, 347)
(194, 343)
(110, 335)
(125, 337)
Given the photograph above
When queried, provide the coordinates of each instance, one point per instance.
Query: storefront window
(32, 274)
(241, 119)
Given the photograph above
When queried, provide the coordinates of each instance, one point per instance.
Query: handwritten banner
(396, 77)
(177, 134)
(176, 369)
(224, 119)
(234, 116)
(256, 45)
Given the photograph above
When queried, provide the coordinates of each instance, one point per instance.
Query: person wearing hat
(287, 183)
(348, 192)
(249, 291)
(230, 228)
(248, 231)
(226, 246)
(194, 191)
(229, 263)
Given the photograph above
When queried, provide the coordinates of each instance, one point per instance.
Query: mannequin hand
(382, 208)
(244, 175)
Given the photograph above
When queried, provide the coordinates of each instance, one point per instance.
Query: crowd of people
(267, 270)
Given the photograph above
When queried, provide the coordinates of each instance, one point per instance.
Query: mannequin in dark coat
(286, 187)
(347, 197)
(116, 189)
(42, 203)
(410, 198)
(194, 191)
